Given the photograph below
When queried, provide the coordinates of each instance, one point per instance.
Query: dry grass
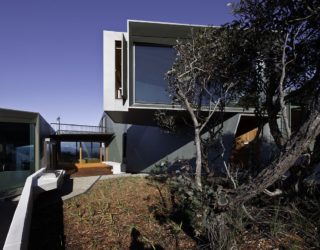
(123, 213)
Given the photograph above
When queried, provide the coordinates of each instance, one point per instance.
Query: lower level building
(22, 148)
(140, 147)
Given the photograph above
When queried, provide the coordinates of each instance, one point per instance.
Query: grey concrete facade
(147, 146)
(138, 142)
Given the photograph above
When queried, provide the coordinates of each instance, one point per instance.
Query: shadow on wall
(220, 153)
(268, 152)
(67, 186)
(259, 156)
(149, 145)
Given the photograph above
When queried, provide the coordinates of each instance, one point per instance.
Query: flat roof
(161, 29)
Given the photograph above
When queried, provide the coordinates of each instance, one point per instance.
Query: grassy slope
(122, 213)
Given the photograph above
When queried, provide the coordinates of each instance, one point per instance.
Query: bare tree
(268, 58)
(279, 41)
(270, 54)
(192, 85)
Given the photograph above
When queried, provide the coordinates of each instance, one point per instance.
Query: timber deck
(89, 169)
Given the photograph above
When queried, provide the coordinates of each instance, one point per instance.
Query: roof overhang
(157, 29)
(101, 137)
(160, 32)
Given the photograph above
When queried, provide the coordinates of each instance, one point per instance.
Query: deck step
(88, 169)
(92, 171)
(91, 165)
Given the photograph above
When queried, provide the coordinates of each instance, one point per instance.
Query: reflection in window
(151, 65)
(90, 151)
(68, 152)
(16, 146)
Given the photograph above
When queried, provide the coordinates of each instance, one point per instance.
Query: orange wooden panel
(244, 139)
(90, 165)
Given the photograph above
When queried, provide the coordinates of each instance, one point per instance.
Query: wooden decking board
(92, 172)
(91, 165)
(88, 169)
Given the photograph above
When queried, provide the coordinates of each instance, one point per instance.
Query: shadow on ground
(7, 209)
(47, 228)
(137, 244)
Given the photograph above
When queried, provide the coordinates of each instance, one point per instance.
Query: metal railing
(63, 128)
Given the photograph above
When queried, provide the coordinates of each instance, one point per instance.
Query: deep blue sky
(51, 50)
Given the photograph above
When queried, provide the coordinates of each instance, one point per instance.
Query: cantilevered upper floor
(135, 63)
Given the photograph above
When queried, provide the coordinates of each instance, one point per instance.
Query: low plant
(290, 221)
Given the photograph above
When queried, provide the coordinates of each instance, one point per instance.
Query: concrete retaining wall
(18, 235)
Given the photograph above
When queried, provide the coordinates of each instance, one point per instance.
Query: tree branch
(281, 92)
(211, 112)
(298, 144)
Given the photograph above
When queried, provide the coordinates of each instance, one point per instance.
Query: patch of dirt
(123, 213)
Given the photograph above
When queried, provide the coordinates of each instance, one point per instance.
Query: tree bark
(273, 111)
(197, 138)
(198, 157)
(297, 145)
(284, 111)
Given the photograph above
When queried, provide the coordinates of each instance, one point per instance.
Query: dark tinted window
(151, 65)
(16, 146)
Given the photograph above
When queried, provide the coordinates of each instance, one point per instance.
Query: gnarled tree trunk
(297, 145)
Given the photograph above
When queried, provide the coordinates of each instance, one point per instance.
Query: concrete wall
(110, 103)
(148, 145)
(115, 148)
(45, 130)
(219, 154)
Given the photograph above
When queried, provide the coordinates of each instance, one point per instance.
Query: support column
(106, 152)
(80, 153)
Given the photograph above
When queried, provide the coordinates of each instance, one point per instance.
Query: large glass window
(68, 152)
(16, 146)
(90, 151)
(151, 65)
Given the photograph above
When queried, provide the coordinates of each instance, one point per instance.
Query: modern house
(135, 63)
(22, 147)
(134, 67)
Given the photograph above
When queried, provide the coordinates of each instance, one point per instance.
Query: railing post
(73, 128)
(80, 153)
